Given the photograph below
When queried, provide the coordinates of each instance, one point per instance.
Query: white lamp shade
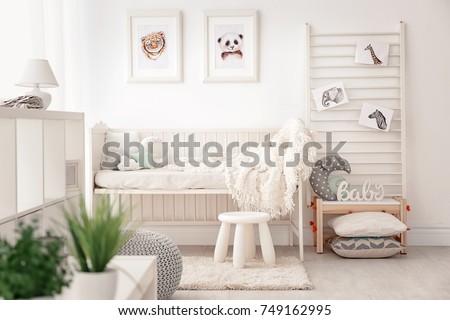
(38, 73)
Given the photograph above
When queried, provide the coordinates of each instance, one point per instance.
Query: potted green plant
(33, 266)
(94, 239)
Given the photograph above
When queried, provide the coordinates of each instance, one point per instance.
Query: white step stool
(244, 241)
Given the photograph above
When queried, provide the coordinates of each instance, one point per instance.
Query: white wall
(279, 95)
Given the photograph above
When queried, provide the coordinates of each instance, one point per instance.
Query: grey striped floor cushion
(169, 258)
(365, 247)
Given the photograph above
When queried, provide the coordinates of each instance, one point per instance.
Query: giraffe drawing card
(376, 117)
(372, 52)
(330, 96)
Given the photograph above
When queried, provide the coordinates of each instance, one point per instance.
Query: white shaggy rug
(202, 273)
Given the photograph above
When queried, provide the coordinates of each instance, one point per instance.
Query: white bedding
(159, 179)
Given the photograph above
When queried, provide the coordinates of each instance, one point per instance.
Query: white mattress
(158, 179)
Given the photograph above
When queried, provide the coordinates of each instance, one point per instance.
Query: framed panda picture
(154, 46)
(231, 46)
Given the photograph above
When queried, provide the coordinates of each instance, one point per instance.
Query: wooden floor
(424, 273)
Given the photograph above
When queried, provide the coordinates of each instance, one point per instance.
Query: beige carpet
(202, 273)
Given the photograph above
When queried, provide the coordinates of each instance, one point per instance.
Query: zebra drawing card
(330, 96)
(376, 117)
(372, 52)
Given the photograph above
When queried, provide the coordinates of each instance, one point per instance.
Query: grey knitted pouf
(149, 243)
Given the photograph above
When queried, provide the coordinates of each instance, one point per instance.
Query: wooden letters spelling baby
(366, 194)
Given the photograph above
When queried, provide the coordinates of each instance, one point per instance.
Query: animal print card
(330, 96)
(372, 52)
(376, 117)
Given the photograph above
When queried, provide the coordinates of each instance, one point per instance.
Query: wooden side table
(395, 206)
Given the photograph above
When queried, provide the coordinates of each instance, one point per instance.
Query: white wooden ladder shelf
(373, 155)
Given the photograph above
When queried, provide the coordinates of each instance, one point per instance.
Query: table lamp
(38, 74)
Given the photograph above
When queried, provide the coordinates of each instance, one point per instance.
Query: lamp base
(45, 96)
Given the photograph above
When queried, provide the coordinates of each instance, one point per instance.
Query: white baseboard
(419, 235)
(429, 235)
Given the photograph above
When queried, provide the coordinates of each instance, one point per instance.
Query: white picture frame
(231, 46)
(72, 175)
(330, 96)
(154, 46)
(376, 117)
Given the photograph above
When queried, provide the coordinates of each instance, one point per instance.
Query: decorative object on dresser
(38, 74)
(319, 178)
(93, 241)
(32, 267)
(154, 46)
(23, 102)
(231, 46)
(169, 261)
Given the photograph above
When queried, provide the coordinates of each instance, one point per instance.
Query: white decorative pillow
(157, 147)
(128, 164)
(365, 247)
(367, 224)
(111, 159)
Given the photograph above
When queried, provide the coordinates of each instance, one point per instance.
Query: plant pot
(93, 285)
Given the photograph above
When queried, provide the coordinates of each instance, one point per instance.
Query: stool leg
(220, 252)
(239, 246)
(268, 252)
(250, 247)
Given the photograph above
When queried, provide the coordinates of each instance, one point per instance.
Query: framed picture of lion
(154, 46)
(231, 46)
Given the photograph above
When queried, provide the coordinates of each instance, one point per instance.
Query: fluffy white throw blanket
(271, 188)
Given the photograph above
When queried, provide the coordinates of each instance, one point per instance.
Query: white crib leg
(239, 246)
(250, 241)
(220, 252)
(268, 251)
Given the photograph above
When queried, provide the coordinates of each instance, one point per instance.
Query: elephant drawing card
(330, 96)
(372, 52)
(376, 117)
